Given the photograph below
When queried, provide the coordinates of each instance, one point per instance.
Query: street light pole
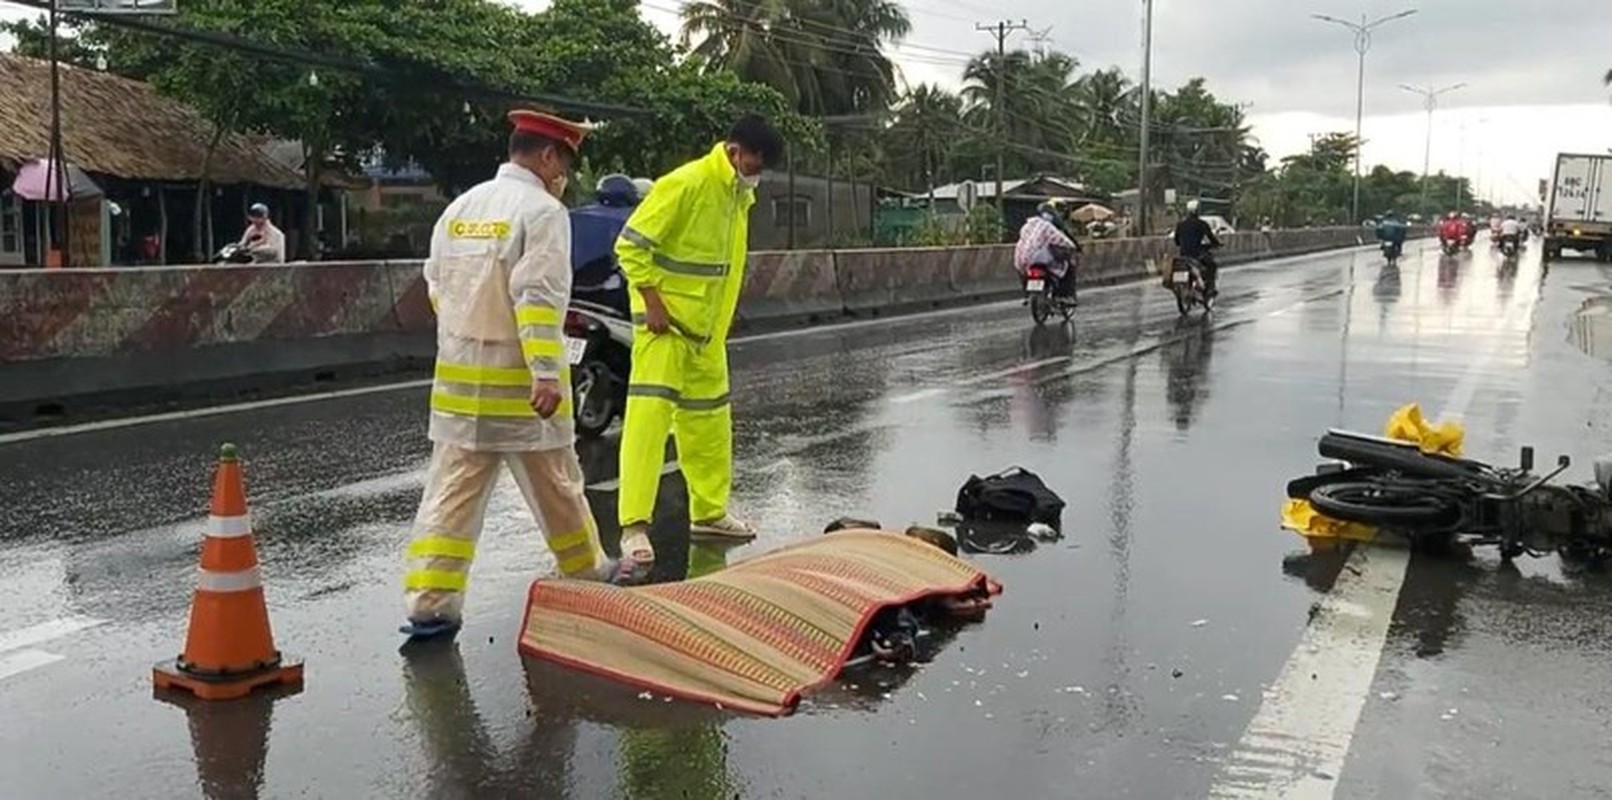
(1362, 32)
(1147, 102)
(1430, 101)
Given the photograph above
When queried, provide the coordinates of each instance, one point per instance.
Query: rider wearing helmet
(1043, 242)
(594, 228)
(1195, 239)
(1392, 229)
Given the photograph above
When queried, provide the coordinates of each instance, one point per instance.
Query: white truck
(1578, 208)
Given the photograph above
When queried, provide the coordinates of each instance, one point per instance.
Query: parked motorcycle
(599, 348)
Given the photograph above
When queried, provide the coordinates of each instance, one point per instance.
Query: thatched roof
(121, 127)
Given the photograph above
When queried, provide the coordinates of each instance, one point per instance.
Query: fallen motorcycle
(1436, 499)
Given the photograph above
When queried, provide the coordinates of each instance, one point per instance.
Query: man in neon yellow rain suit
(499, 276)
(683, 252)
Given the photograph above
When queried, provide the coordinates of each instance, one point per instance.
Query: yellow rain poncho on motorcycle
(499, 275)
(688, 241)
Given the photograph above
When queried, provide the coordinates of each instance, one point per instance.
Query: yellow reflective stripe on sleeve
(435, 579)
(583, 561)
(481, 406)
(484, 376)
(442, 546)
(566, 541)
(537, 315)
(541, 348)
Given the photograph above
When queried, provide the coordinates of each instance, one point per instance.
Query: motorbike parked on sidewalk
(1436, 500)
(598, 345)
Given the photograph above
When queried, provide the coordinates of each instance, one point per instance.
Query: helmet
(617, 190)
(257, 211)
(643, 185)
(1192, 206)
(1451, 215)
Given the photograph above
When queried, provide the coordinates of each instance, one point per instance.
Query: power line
(1001, 30)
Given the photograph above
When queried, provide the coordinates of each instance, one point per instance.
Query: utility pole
(1001, 30)
(1147, 116)
(1362, 33)
(1430, 102)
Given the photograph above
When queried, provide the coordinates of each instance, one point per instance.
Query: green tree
(826, 57)
(926, 127)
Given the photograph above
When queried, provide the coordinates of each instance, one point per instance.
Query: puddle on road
(1592, 327)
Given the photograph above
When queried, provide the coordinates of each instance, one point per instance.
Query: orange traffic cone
(229, 649)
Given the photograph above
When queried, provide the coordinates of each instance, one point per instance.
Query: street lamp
(1430, 101)
(1362, 32)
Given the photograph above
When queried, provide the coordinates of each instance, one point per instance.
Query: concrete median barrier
(77, 338)
(73, 339)
(783, 288)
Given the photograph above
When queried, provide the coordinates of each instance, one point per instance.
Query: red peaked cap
(560, 130)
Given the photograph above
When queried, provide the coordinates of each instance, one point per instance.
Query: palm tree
(827, 57)
(927, 125)
(737, 35)
(1037, 108)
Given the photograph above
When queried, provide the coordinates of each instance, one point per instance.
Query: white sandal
(637, 548)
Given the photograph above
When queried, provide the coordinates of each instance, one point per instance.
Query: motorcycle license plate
(1034, 286)
(1180, 277)
(574, 348)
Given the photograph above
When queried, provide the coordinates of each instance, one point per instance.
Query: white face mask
(751, 181)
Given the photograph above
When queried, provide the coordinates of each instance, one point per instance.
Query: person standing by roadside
(683, 251)
(499, 277)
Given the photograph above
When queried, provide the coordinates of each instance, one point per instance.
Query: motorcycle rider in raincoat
(683, 251)
(499, 276)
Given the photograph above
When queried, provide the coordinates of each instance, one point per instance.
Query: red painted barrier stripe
(183, 318)
(46, 304)
(323, 295)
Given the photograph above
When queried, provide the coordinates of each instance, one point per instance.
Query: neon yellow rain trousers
(688, 239)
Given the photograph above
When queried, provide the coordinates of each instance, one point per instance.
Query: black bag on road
(1014, 495)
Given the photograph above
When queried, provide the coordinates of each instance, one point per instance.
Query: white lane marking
(20, 662)
(615, 483)
(197, 413)
(46, 631)
(1299, 740)
(111, 424)
(16, 663)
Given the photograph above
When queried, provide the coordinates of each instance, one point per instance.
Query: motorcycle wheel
(1040, 308)
(1384, 504)
(591, 399)
(1183, 299)
(1066, 307)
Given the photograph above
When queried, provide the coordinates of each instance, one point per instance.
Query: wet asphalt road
(1125, 660)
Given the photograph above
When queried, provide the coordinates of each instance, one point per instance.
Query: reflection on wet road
(1127, 659)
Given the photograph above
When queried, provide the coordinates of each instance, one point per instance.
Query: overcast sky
(1533, 75)
(1533, 71)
